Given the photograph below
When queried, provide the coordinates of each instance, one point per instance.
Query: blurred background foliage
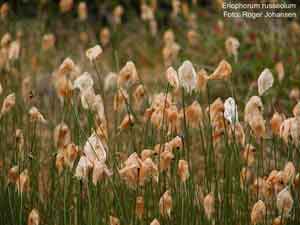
(99, 9)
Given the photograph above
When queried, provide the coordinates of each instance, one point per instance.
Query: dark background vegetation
(98, 8)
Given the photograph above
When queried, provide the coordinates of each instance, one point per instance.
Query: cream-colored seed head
(183, 170)
(66, 5)
(114, 220)
(187, 76)
(36, 116)
(222, 72)
(139, 207)
(172, 77)
(209, 205)
(33, 218)
(82, 11)
(279, 67)
(258, 212)
(265, 81)
(284, 202)
(94, 52)
(8, 103)
(155, 222)
(165, 204)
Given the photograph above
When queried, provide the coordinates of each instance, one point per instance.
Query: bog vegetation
(194, 121)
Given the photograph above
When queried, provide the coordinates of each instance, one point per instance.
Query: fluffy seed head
(172, 77)
(265, 81)
(183, 170)
(222, 72)
(165, 204)
(258, 212)
(34, 217)
(209, 205)
(94, 52)
(284, 202)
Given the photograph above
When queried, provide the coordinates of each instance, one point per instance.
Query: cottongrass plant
(106, 146)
